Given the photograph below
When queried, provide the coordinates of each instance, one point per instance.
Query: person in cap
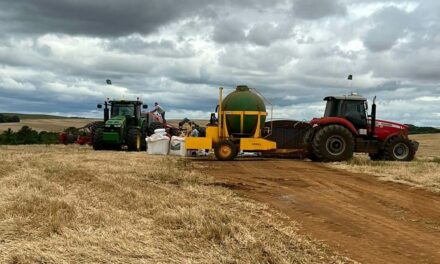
(157, 108)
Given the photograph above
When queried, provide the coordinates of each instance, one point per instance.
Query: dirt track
(357, 215)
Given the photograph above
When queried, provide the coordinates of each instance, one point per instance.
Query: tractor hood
(384, 127)
(390, 124)
(116, 121)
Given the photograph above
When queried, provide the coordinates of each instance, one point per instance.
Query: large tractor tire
(399, 149)
(95, 125)
(333, 143)
(98, 142)
(133, 139)
(225, 150)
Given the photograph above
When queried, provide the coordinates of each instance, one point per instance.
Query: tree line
(9, 118)
(422, 130)
(26, 136)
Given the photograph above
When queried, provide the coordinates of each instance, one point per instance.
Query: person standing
(157, 108)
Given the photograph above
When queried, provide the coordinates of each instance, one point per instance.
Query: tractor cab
(351, 107)
(123, 109)
(130, 110)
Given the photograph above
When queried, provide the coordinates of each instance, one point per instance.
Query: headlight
(113, 125)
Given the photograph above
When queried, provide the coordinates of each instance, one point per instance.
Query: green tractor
(125, 125)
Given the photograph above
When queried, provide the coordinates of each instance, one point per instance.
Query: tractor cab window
(354, 111)
(122, 110)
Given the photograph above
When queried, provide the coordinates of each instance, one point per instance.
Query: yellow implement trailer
(227, 145)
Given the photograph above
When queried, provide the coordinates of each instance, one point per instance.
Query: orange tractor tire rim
(225, 151)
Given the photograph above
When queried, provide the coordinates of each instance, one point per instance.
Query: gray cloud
(99, 17)
(265, 34)
(230, 30)
(316, 9)
(390, 25)
(56, 55)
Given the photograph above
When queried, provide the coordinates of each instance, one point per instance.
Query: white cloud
(11, 84)
(428, 99)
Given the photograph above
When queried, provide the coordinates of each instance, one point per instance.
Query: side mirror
(99, 106)
(144, 106)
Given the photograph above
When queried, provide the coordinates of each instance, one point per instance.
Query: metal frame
(216, 134)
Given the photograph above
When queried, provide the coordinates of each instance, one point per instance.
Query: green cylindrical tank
(242, 99)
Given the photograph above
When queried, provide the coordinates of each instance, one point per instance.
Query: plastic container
(158, 145)
(243, 99)
(160, 131)
(177, 146)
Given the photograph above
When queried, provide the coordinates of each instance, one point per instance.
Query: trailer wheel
(98, 143)
(399, 149)
(225, 150)
(133, 139)
(333, 143)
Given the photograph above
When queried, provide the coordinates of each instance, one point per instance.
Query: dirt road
(368, 220)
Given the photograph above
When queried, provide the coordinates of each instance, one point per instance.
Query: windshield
(122, 109)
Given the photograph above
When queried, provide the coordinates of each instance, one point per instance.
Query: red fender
(334, 121)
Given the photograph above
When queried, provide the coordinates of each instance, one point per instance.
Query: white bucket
(160, 131)
(177, 146)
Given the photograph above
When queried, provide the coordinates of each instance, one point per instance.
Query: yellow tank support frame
(218, 136)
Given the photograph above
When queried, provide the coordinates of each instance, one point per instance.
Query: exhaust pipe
(106, 112)
(373, 117)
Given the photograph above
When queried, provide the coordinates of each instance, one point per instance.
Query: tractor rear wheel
(333, 143)
(133, 139)
(225, 150)
(98, 142)
(399, 149)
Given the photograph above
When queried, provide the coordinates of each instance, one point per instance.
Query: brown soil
(357, 215)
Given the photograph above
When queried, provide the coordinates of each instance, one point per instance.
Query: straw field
(423, 172)
(68, 204)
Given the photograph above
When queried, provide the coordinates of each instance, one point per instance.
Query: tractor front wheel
(399, 149)
(134, 139)
(333, 143)
(98, 143)
(225, 150)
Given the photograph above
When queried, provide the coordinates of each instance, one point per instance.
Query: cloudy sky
(55, 55)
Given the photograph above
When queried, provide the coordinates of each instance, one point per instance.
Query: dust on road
(357, 215)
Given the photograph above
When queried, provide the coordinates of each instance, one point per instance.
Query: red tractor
(347, 128)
